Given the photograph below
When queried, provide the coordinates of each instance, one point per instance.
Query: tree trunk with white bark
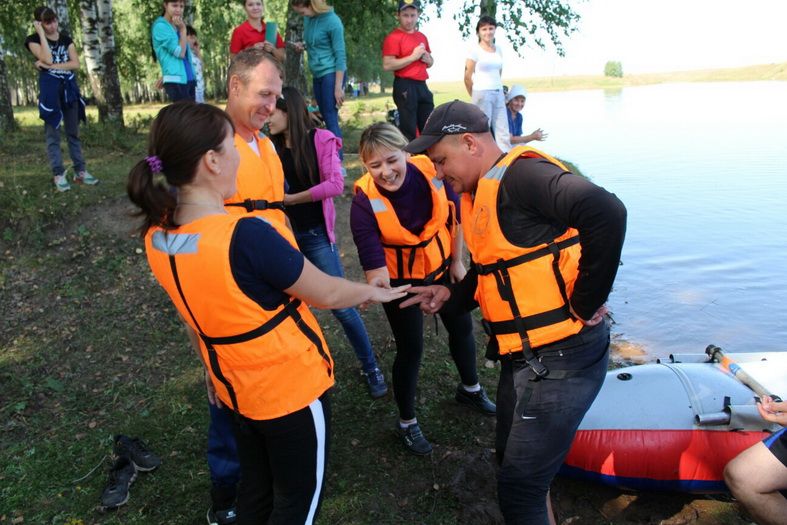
(60, 7)
(7, 122)
(98, 43)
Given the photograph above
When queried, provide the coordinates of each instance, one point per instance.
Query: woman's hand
(386, 295)
(265, 46)
(179, 24)
(212, 398)
(339, 94)
(39, 28)
(378, 277)
(297, 46)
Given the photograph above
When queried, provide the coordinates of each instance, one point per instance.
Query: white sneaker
(61, 183)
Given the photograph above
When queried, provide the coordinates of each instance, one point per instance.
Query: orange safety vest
(428, 254)
(523, 292)
(264, 363)
(260, 182)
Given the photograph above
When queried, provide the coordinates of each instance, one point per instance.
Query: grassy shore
(90, 347)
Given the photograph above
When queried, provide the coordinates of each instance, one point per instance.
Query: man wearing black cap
(526, 221)
(406, 52)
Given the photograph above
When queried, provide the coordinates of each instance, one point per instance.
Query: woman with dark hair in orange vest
(242, 287)
(405, 226)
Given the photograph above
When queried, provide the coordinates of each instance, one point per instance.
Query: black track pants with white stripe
(283, 466)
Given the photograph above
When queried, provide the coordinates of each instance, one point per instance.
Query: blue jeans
(318, 249)
(324, 91)
(223, 460)
(52, 136)
(534, 436)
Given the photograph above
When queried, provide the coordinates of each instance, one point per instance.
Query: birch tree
(98, 46)
(7, 122)
(60, 7)
(294, 72)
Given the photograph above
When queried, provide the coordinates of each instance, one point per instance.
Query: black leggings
(407, 326)
(282, 465)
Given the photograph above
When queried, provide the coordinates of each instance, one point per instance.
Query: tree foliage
(524, 22)
(614, 69)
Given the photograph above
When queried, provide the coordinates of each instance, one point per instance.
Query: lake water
(702, 169)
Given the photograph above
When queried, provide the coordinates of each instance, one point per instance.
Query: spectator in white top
(483, 80)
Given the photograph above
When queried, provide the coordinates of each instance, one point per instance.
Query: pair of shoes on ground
(413, 438)
(375, 382)
(132, 456)
(83, 177)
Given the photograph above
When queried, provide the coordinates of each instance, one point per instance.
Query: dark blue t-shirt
(263, 262)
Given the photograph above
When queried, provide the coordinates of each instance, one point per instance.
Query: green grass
(90, 347)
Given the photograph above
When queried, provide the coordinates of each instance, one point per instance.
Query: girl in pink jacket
(313, 173)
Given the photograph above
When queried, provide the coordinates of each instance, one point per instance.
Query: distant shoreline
(565, 83)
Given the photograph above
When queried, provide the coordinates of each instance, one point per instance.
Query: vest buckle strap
(550, 249)
(251, 205)
(538, 368)
(439, 272)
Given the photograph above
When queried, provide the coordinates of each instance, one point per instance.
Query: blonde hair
(318, 6)
(380, 136)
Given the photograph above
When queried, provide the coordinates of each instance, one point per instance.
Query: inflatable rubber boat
(674, 425)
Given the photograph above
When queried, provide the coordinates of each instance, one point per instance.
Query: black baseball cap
(409, 3)
(452, 118)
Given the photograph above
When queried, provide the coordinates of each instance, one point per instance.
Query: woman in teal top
(323, 39)
(172, 52)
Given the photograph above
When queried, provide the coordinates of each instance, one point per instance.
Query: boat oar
(717, 355)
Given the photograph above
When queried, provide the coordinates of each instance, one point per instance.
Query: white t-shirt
(487, 67)
(254, 147)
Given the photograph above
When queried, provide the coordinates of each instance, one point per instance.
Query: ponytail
(156, 202)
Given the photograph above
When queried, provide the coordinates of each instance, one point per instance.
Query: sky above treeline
(646, 36)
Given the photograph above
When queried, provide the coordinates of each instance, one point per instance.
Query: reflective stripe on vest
(523, 292)
(265, 363)
(409, 257)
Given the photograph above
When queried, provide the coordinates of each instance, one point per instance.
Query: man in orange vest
(545, 247)
(254, 82)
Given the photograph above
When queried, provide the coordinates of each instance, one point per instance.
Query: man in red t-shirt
(406, 52)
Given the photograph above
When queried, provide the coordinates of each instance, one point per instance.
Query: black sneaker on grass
(414, 440)
(121, 476)
(477, 400)
(222, 517)
(136, 451)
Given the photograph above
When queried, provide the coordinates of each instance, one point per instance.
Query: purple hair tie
(155, 164)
